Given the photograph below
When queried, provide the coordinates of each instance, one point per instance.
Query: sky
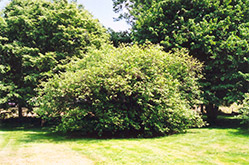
(100, 9)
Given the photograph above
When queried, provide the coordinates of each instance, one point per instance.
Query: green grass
(198, 146)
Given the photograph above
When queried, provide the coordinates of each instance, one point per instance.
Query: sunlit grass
(198, 146)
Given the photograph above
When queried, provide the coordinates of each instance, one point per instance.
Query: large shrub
(143, 91)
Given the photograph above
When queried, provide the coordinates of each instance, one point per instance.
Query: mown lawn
(198, 146)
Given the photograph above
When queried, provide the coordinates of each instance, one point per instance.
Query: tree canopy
(215, 32)
(118, 38)
(130, 9)
(36, 38)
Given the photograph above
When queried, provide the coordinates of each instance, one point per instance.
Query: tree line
(36, 39)
(215, 32)
(56, 57)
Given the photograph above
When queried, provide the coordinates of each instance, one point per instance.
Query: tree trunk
(212, 113)
(202, 108)
(20, 111)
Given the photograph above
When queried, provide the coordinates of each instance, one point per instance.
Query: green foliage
(245, 111)
(137, 90)
(119, 38)
(37, 37)
(129, 9)
(215, 32)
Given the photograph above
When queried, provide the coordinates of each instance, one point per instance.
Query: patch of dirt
(45, 154)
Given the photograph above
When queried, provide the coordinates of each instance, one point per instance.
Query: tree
(36, 39)
(130, 9)
(121, 37)
(215, 32)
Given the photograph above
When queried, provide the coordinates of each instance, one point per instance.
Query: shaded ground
(226, 121)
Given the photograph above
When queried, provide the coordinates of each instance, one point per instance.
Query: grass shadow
(241, 132)
(224, 121)
(39, 135)
(30, 129)
(33, 132)
(229, 122)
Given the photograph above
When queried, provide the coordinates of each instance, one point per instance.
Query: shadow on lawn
(225, 121)
(230, 122)
(241, 132)
(33, 132)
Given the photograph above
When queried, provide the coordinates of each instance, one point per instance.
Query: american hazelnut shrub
(138, 91)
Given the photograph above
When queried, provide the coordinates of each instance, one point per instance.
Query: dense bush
(143, 91)
(245, 111)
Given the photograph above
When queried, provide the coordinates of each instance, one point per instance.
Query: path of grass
(198, 146)
(22, 147)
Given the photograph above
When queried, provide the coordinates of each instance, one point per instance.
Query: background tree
(6, 86)
(215, 32)
(120, 37)
(37, 38)
(130, 9)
